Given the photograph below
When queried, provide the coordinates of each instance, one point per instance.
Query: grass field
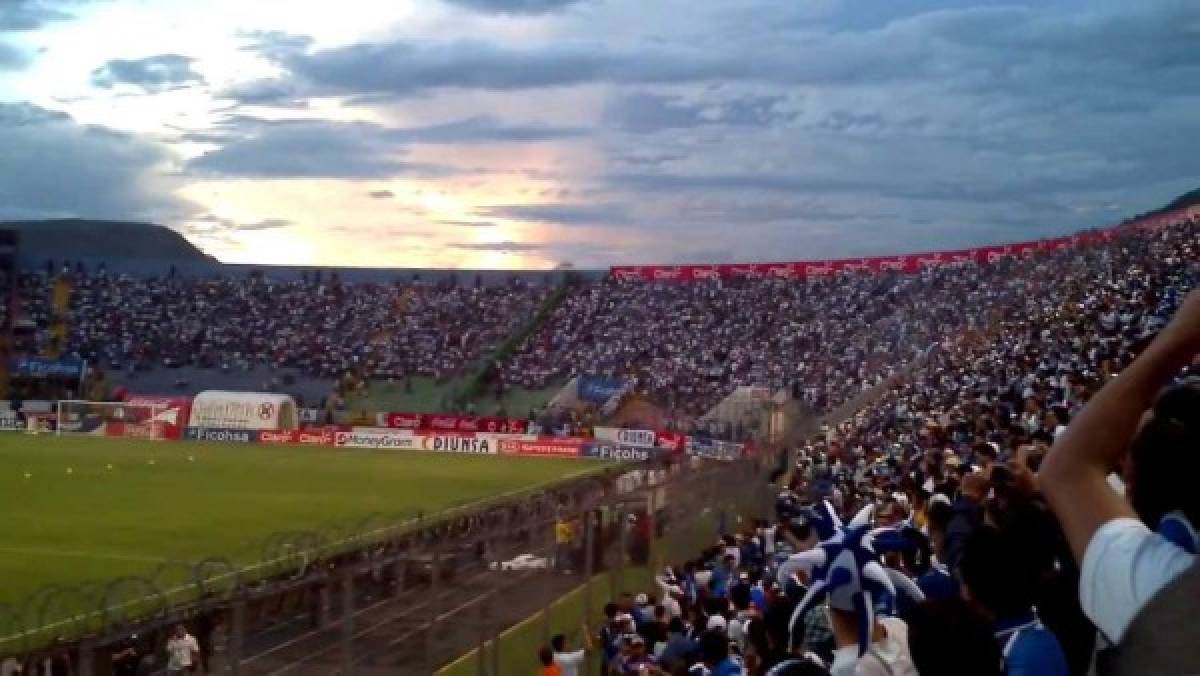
(87, 509)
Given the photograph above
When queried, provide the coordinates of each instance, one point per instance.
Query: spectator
(549, 666)
(997, 574)
(935, 581)
(714, 654)
(966, 517)
(948, 638)
(888, 653)
(183, 653)
(1124, 563)
(570, 663)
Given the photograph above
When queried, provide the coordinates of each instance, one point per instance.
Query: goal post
(113, 419)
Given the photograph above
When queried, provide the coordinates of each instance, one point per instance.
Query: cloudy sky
(525, 133)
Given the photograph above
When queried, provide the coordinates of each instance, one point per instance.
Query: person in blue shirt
(722, 576)
(1177, 529)
(934, 578)
(999, 577)
(714, 653)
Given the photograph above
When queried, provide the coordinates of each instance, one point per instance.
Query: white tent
(244, 411)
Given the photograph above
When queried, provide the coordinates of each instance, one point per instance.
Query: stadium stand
(318, 328)
(949, 456)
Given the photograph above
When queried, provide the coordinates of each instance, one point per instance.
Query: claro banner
(308, 437)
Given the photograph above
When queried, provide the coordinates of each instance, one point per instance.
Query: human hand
(1183, 332)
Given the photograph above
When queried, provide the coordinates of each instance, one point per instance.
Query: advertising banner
(599, 390)
(556, 447)
(711, 448)
(901, 263)
(624, 437)
(40, 367)
(375, 439)
(458, 443)
(452, 423)
(618, 452)
(174, 412)
(9, 422)
(670, 440)
(222, 434)
(312, 436)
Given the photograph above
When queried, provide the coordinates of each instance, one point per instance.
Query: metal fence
(399, 595)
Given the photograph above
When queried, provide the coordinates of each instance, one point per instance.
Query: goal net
(114, 419)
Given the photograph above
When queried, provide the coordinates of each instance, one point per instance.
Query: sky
(534, 133)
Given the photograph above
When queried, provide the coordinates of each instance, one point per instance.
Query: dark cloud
(506, 246)
(266, 224)
(29, 15)
(381, 194)
(469, 224)
(527, 7)
(645, 112)
(275, 44)
(152, 74)
(485, 129)
(321, 148)
(265, 92)
(308, 150)
(53, 167)
(406, 68)
(562, 214)
(12, 58)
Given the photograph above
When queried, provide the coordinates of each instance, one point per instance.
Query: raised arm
(1074, 475)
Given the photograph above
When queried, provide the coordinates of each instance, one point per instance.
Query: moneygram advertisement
(376, 439)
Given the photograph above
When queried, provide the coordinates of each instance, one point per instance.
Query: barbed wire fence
(388, 594)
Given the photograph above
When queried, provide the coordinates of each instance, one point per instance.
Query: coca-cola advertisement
(907, 263)
(426, 422)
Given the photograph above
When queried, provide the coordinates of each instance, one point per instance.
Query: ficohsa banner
(223, 434)
(617, 452)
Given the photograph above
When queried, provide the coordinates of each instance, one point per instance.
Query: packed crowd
(1041, 508)
(318, 327)
(825, 339)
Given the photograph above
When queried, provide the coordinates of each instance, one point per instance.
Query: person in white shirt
(887, 656)
(571, 662)
(1123, 561)
(183, 652)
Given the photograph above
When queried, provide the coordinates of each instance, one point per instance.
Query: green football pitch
(81, 510)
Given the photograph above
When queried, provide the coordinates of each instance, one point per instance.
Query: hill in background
(75, 238)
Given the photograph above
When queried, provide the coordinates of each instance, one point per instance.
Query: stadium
(502, 337)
